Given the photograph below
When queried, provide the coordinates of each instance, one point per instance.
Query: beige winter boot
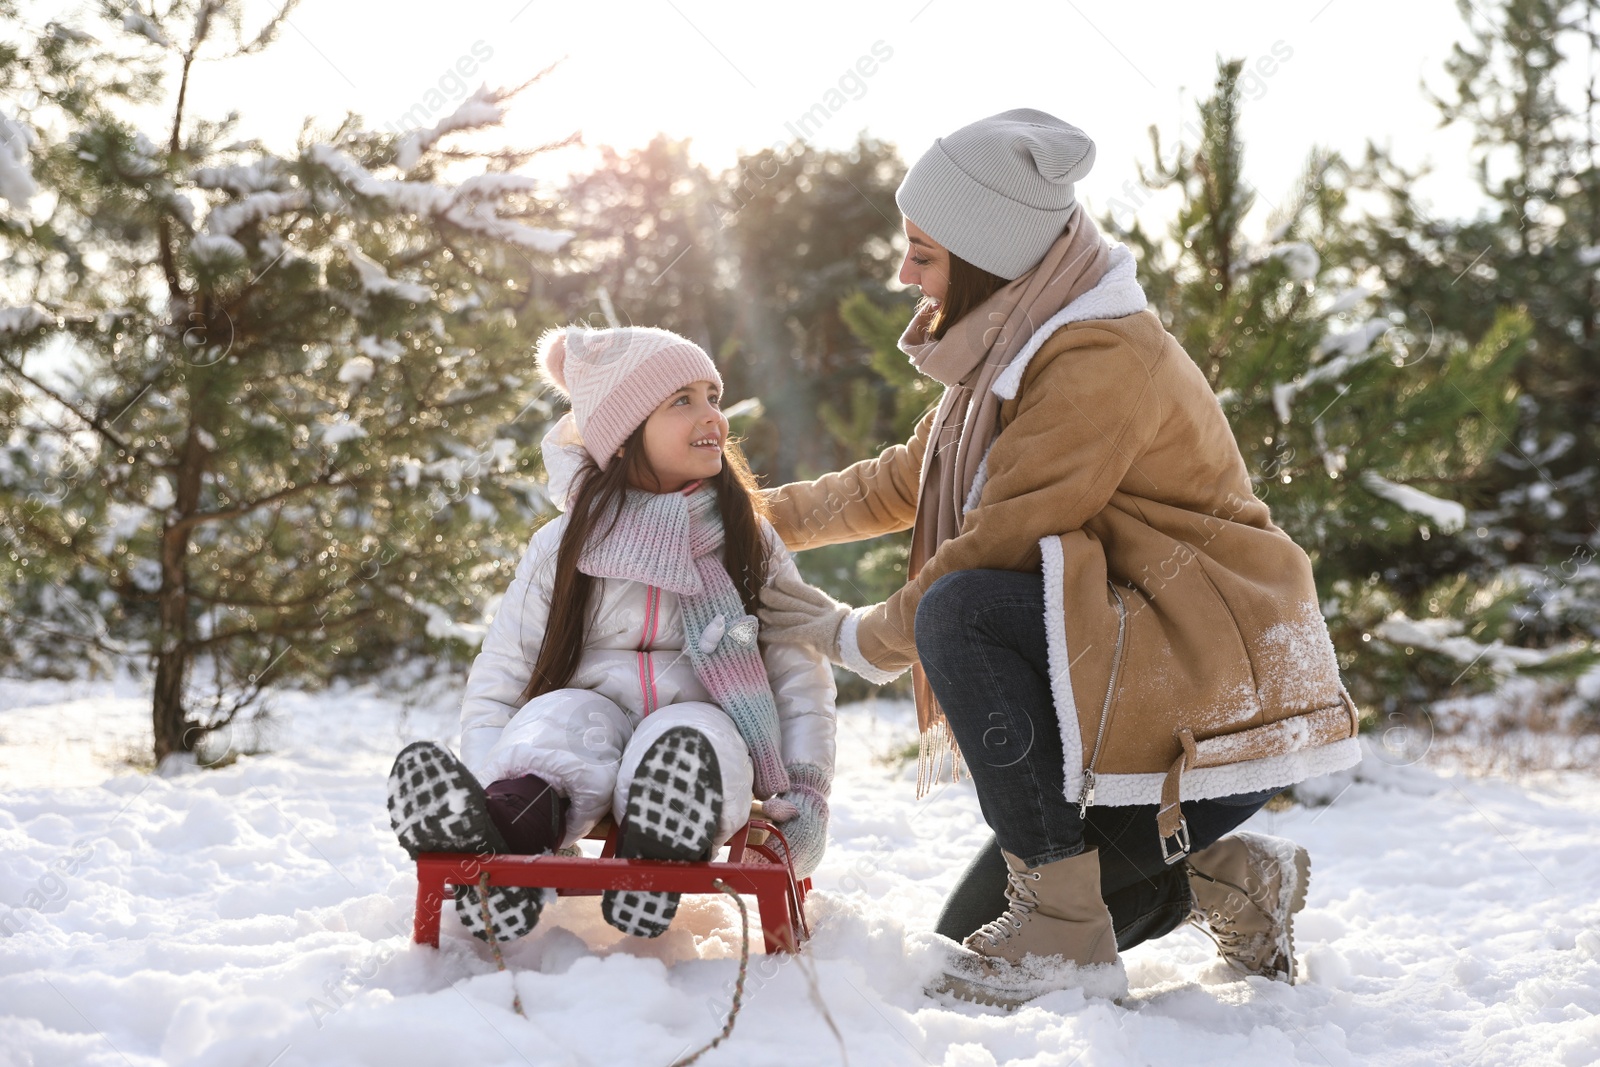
(1056, 934)
(1247, 888)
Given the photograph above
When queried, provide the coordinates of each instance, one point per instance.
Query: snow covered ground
(259, 915)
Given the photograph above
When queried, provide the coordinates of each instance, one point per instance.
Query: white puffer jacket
(634, 657)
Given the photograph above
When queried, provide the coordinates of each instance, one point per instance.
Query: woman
(1105, 625)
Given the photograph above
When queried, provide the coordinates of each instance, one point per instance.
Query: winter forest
(271, 450)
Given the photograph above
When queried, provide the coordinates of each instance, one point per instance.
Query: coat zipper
(647, 637)
(1086, 794)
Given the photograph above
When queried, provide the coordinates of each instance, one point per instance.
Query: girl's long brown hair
(968, 287)
(598, 500)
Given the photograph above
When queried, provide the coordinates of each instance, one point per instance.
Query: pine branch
(13, 616)
(320, 482)
(216, 597)
(95, 422)
(18, 520)
(269, 32)
(293, 626)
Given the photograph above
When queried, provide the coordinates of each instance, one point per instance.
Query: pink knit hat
(616, 378)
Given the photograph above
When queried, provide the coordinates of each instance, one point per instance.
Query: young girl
(622, 673)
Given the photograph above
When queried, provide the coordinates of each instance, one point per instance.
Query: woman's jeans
(981, 639)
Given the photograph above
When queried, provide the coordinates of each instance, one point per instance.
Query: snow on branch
(67, 33)
(16, 172)
(473, 205)
(1345, 299)
(345, 169)
(388, 350)
(1444, 636)
(333, 434)
(440, 624)
(240, 179)
(1283, 393)
(495, 184)
(1449, 515)
(1299, 258)
(482, 216)
(375, 280)
(24, 319)
(420, 197)
(138, 23)
(475, 208)
(480, 109)
(1354, 341)
(227, 219)
(216, 249)
(357, 370)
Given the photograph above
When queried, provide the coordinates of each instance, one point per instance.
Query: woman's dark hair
(968, 287)
(597, 500)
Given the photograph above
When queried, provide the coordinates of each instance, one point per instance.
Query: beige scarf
(967, 359)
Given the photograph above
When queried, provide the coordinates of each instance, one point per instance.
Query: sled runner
(751, 867)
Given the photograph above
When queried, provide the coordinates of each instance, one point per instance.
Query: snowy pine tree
(751, 263)
(1527, 85)
(801, 229)
(886, 397)
(260, 411)
(644, 224)
(890, 395)
(1362, 428)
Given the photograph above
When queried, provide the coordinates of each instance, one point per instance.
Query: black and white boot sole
(437, 805)
(674, 804)
(513, 911)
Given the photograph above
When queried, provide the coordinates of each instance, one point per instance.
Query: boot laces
(1230, 941)
(1222, 931)
(1219, 925)
(1022, 899)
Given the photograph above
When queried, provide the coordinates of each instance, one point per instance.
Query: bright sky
(740, 75)
(735, 75)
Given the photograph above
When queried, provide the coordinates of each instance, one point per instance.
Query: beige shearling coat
(1184, 628)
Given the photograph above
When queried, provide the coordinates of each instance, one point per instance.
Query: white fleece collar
(1116, 295)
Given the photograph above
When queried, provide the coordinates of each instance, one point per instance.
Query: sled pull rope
(738, 986)
(494, 944)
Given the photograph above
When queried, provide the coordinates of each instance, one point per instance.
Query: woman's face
(683, 438)
(927, 263)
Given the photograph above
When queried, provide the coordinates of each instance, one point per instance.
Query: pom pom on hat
(551, 352)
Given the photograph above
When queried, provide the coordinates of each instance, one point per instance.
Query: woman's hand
(793, 612)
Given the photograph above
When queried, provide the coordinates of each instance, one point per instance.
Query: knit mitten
(801, 812)
(796, 613)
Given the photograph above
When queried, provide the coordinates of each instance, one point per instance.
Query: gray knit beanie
(997, 192)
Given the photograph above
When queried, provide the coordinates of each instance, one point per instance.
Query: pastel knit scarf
(673, 541)
(968, 359)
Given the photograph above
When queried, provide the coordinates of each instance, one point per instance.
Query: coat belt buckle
(1181, 836)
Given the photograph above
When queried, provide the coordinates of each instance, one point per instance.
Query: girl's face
(683, 438)
(927, 263)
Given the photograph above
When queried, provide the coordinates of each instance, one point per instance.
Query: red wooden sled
(751, 867)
